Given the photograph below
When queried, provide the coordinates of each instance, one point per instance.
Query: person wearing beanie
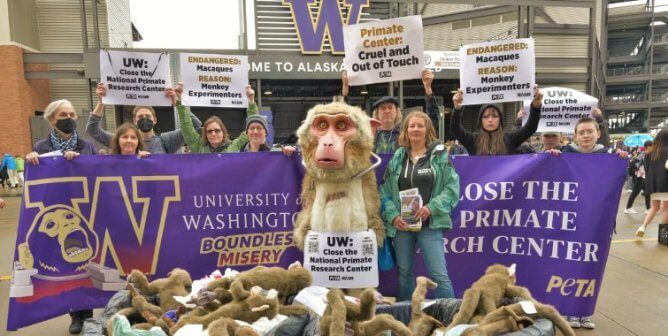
(490, 138)
(256, 129)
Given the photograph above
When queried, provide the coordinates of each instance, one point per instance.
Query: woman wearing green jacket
(421, 162)
(213, 136)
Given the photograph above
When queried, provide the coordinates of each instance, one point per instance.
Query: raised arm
(466, 138)
(517, 137)
(175, 139)
(187, 130)
(93, 126)
(603, 127)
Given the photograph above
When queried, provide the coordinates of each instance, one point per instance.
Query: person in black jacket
(491, 138)
(656, 179)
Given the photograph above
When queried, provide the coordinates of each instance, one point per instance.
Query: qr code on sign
(313, 246)
(367, 250)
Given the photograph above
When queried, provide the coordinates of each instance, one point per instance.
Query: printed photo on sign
(384, 51)
(497, 71)
(342, 260)
(214, 80)
(561, 109)
(135, 78)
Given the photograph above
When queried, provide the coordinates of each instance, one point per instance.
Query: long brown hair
(116, 146)
(430, 132)
(491, 143)
(659, 145)
(214, 119)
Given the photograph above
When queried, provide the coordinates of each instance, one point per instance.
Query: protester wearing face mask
(145, 119)
(63, 137)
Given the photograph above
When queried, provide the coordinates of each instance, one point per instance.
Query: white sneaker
(587, 323)
(646, 211)
(630, 211)
(641, 231)
(574, 322)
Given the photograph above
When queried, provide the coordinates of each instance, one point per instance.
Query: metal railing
(625, 99)
(661, 38)
(630, 71)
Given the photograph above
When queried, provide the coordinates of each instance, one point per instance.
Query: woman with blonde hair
(421, 162)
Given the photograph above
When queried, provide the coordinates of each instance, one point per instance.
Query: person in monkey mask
(421, 162)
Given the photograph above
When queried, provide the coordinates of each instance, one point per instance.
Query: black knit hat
(257, 119)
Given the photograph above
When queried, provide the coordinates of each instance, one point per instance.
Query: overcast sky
(202, 24)
(191, 24)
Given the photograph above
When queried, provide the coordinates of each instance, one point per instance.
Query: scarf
(63, 146)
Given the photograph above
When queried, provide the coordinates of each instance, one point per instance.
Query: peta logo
(572, 287)
(130, 96)
(551, 123)
(328, 22)
(497, 96)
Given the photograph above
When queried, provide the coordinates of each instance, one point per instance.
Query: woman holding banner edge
(422, 163)
(490, 138)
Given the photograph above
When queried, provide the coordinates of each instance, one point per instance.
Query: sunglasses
(214, 131)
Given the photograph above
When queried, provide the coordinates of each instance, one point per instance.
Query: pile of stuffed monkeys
(226, 306)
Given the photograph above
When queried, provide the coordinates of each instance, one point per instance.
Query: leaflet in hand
(411, 202)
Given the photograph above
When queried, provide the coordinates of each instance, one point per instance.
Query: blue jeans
(431, 247)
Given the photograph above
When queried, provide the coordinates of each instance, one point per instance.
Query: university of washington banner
(86, 223)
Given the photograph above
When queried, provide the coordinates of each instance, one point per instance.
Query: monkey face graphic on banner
(59, 242)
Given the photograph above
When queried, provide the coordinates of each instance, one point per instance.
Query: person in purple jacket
(64, 136)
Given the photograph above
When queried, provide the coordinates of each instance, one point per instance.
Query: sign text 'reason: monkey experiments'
(384, 51)
(498, 71)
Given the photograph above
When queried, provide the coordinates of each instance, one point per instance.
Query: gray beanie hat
(257, 119)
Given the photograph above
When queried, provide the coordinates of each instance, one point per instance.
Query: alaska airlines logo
(62, 240)
(328, 22)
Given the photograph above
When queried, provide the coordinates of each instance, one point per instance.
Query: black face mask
(66, 126)
(145, 125)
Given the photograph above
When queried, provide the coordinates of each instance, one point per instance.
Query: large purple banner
(86, 218)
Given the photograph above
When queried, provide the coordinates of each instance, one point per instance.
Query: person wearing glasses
(213, 136)
(145, 118)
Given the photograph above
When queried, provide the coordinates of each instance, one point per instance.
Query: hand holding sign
(597, 114)
(100, 91)
(427, 79)
(457, 99)
(537, 97)
(250, 94)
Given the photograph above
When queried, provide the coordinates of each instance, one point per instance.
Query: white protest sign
(439, 60)
(135, 78)
(497, 71)
(561, 109)
(338, 260)
(384, 51)
(214, 80)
